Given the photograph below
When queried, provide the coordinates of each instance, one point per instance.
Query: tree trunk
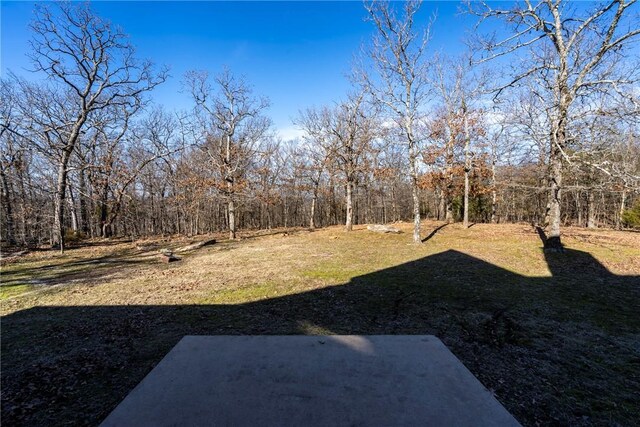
(23, 206)
(494, 195)
(59, 199)
(384, 207)
(465, 217)
(448, 210)
(553, 241)
(84, 214)
(231, 206)
(312, 214)
(467, 167)
(591, 213)
(442, 203)
(103, 216)
(394, 203)
(74, 215)
(414, 192)
(106, 229)
(579, 207)
(349, 201)
(333, 205)
(72, 211)
(623, 201)
(10, 236)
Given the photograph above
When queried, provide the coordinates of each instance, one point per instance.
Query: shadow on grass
(434, 232)
(76, 271)
(556, 350)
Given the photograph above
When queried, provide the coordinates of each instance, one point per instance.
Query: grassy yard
(556, 337)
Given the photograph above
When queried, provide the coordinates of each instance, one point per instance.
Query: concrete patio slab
(310, 381)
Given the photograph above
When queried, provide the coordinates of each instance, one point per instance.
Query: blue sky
(295, 53)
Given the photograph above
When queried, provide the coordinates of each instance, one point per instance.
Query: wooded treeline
(554, 140)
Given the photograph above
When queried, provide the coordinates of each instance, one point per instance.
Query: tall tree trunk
(84, 214)
(6, 197)
(579, 206)
(558, 140)
(384, 206)
(394, 203)
(448, 209)
(349, 201)
(623, 201)
(414, 192)
(73, 212)
(231, 206)
(312, 212)
(103, 215)
(591, 212)
(494, 197)
(553, 241)
(314, 202)
(465, 217)
(59, 199)
(333, 204)
(286, 212)
(467, 166)
(23, 205)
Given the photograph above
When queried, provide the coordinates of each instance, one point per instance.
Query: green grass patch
(8, 291)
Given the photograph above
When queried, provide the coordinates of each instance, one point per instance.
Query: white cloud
(291, 132)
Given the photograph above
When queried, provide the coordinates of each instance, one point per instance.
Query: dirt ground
(556, 336)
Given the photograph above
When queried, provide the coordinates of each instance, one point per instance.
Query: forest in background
(539, 126)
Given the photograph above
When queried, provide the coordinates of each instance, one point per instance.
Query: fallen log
(167, 256)
(381, 228)
(197, 245)
(11, 257)
(146, 246)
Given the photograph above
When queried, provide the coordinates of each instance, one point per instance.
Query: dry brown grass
(556, 336)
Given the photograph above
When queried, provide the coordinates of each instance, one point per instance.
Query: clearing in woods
(555, 336)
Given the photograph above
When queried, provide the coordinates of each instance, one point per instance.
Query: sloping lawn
(555, 336)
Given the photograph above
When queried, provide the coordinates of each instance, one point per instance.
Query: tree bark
(553, 241)
(6, 197)
(349, 201)
(394, 204)
(312, 212)
(59, 199)
(467, 166)
(623, 200)
(591, 212)
(231, 206)
(414, 192)
(465, 217)
(73, 212)
(84, 214)
(578, 207)
(448, 217)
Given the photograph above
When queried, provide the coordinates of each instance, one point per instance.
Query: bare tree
(574, 50)
(345, 134)
(234, 127)
(459, 87)
(399, 83)
(312, 160)
(91, 67)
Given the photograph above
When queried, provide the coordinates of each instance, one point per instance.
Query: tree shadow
(77, 271)
(88, 243)
(568, 342)
(552, 244)
(434, 232)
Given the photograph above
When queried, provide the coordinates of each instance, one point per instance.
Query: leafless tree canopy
(538, 123)
(576, 62)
